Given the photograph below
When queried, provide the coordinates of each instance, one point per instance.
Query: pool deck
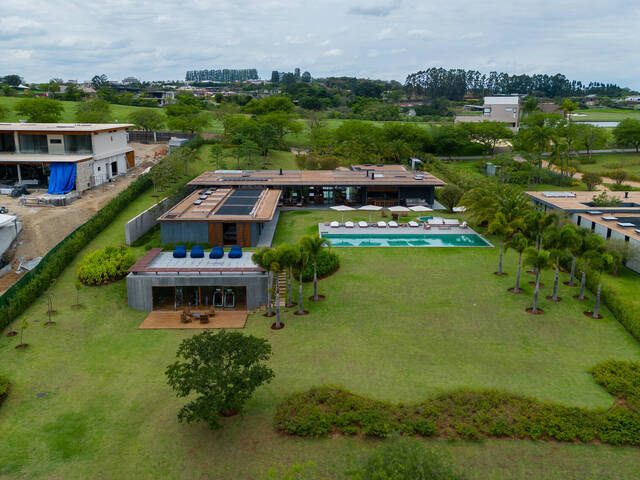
(433, 230)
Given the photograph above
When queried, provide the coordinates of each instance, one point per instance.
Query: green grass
(607, 163)
(605, 115)
(398, 325)
(275, 160)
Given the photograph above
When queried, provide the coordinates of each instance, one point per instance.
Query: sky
(586, 40)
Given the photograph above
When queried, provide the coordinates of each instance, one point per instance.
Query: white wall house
(29, 152)
(497, 109)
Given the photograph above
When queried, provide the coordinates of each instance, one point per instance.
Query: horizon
(385, 41)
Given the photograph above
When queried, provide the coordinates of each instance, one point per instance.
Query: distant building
(130, 80)
(497, 109)
(633, 98)
(63, 157)
(162, 97)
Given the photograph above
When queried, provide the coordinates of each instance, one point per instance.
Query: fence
(142, 136)
(141, 224)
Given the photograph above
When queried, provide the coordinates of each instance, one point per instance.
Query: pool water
(424, 219)
(407, 240)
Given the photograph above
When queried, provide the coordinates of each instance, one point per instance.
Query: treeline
(224, 75)
(454, 84)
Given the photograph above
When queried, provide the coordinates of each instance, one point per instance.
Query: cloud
(379, 10)
(385, 34)
(324, 43)
(13, 26)
(419, 33)
(336, 52)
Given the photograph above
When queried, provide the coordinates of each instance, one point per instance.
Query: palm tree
(313, 246)
(592, 249)
(529, 106)
(535, 224)
(261, 258)
(484, 202)
(503, 228)
(598, 262)
(519, 243)
(539, 260)
(552, 241)
(300, 266)
(571, 239)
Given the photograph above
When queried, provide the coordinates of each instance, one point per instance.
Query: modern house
(621, 221)
(496, 109)
(220, 216)
(62, 157)
(160, 282)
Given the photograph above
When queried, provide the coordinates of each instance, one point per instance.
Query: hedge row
(625, 312)
(470, 415)
(35, 282)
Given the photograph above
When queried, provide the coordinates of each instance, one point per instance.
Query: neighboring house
(620, 222)
(163, 98)
(633, 99)
(591, 100)
(63, 157)
(550, 107)
(497, 109)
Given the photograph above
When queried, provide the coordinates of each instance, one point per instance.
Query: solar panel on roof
(234, 210)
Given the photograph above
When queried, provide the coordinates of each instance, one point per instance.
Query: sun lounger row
(198, 252)
(439, 223)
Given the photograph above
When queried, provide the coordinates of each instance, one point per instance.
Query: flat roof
(42, 158)
(63, 127)
(225, 205)
(627, 224)
(576, 202)
(357, 175)
(502, 100)
(157, 261)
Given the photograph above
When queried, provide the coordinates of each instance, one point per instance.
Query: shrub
(4, 388)
(403, 459)
(105, 265)
(328, 262)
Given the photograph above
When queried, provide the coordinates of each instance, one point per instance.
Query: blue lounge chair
(180, 252)
(216, 252)
(235, 252)
(197, 252)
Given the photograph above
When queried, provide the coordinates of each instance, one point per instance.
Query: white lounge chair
(393, 224)
(348, 224)
(413, 224)
(334, 224)
(451, 221)
(464, 225)
(382, 224)
(363, 224)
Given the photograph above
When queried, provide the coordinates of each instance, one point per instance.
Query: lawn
(120, 113)
(275, 159)
(607, 163)
(605, 115)
(398, 324)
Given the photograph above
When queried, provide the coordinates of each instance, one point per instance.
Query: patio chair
(464, 225)
(413, 224)
(426, 226)
(235, 252)
(204, 318)
(180, 252)
(363, 224)
(348, 224)
(381, 224)
(334, 224)
(211, 312)
(216, 252)
(393, 224)
(184, 318)
(197, 252)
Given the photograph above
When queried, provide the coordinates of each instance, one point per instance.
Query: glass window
(164, 298)
(6, 142)
(78, 143)
(33, 144)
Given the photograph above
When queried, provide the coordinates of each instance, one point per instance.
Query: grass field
(605, 115)
(120, 113)
(607, 163)
(276, 159)
(398, 324)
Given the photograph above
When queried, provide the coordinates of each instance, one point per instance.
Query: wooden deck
(171, 320)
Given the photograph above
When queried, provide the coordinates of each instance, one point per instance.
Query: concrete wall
(109, 142)
(140, 296)
(183, 232)
(141, 224)
(84, 174)
(102, 168)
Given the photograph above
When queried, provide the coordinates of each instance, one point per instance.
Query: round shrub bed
(328, 262)
(105, 265)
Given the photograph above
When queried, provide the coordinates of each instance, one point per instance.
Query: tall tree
(99, 81)
(627, 133)
(96, 110)
(40, 110)
(262, 258)
(519, 243)
(299, 267)
(504, 229)
(313, 246)
(572, 241)
(539, 260)
(147, 119)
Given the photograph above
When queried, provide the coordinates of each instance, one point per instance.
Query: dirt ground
(44, 227)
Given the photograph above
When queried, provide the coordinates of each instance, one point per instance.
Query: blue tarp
(62, 178)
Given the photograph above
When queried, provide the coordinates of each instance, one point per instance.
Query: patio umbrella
(342, 209)
(370, 209)
(398, 208)
(420, 208)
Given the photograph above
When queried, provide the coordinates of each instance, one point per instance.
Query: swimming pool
(406, 240)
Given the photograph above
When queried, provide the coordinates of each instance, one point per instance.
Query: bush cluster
(327, 263)
(24, 292)
(4, 388)
(105, 265)
(471, 415)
